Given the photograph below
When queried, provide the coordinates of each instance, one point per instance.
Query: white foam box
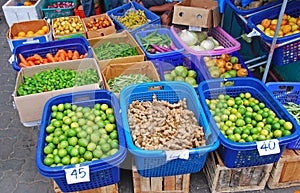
(14, 13)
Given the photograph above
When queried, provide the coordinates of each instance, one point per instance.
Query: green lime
(48, 161)
(50, 129)
(83, 142)
(66, 160)
(74, 160)
(288, 125)
(91, 146)
(97, 153)
(112, 152)
(74, 152)
(71, 132)
(113, 135)
(48, 149)
(61, 107)
(82, 134)
(62, 153)
(114, 144)
(81, 150)
(49, 138)
(109, 111)
(88, 155)
(57, 159)
(95, 138)
(73, 141)
(105, 147)
(109, 127)
(286, 132)
(277, 133)
(104, 107)
(59, 116)
(63, 144)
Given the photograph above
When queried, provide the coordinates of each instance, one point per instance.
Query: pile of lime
(78, 134)
(182, 73)
(246, 119)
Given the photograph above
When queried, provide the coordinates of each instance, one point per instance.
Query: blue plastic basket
(79, 43)
(152, 163)
(169, 63)
(245, 13)
(282, 54)
(235, 154)
(205, 70)
(292, 9)
(121, 11)
(287, 92)
(163, 55)
(103, 172)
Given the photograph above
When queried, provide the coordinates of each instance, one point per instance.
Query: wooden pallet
(286, 172)
(168, 184)
(223, 179)
(106, 189)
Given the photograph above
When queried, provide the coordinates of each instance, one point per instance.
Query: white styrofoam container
(14, 13)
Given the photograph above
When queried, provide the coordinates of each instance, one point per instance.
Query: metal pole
(264, 78)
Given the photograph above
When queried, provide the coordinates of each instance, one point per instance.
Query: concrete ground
(18, 172)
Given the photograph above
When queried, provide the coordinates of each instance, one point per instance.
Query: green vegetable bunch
(109, 51)
(118, 83)
(56, 79)
(133, 19)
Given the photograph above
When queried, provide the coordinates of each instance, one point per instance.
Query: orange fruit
(40, 32)
(21, 34)
(45, 29)
(29, 34)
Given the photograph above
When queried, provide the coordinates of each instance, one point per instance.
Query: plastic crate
(166, 66)
(51, 13)
(286, 92)
(80, 12)
(161, 31)
(235, 154)
(121, 11)
(205, 70)
(229, 43)
(292, 9)
(152, 163)
(103, 172)
(245, 13)
(80, 44)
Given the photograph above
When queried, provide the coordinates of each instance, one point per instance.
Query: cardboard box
(14, 14)
(115, 70)
(123, 37)
(199, 13)
(30, 107)
(70, 35)
(100, 32)
(26, 26)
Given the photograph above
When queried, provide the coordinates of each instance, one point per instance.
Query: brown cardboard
(26, 26)
(115, 70)
(30, 107)
(123, 37)
(70, 35)
(100, 32)
(199, 13)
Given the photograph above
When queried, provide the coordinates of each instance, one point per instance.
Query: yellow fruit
(21, 34)
(29, 34)
(40, 32)
(45, 29)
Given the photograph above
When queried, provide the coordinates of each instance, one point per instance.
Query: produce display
(133, 19)
(67, 25)
(98, 23)
(157, 43)
(225, 66)
(60, 55)
(182, 73)
(159, 125)
(61, 4)
(294, 110)
(110, 50)
(199, 41)
(118, 83)
(289, 25)
(56, 79)
(245, 119)
(26, 3)
(40, 32)
(78, 134)
(252, 4)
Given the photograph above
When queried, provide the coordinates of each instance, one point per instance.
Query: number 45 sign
(78, 174)
(268, 147)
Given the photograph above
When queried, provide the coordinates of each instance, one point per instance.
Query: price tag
(268, 147)
(179, 154)
(195, 28)
(78, 174)
(253, 33)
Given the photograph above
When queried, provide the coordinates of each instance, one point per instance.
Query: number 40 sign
(268, 147)
(78, 174)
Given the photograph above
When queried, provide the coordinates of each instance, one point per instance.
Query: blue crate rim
(135, 5)
(252, 11)
(93, 165)
(159, 153)
(45, 44)
(247, 145)
(164, 54)
(292, 5)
